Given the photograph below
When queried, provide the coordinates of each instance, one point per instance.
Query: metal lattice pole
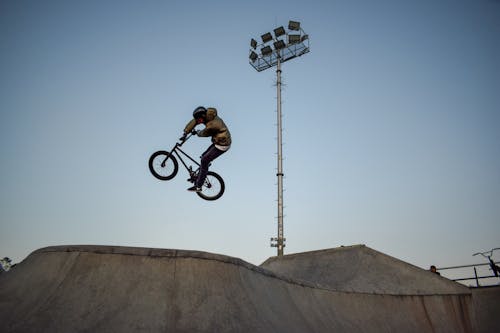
(279, 174)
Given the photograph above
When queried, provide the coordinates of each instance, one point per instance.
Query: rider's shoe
(194, 189)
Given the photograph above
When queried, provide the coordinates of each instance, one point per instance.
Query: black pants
(208, 156)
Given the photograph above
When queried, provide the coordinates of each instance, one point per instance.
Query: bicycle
(488, 255)
(164, 166)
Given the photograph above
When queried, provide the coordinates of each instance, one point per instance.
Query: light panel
(279, 44)
(293, 39)
(253, 56)
(266, 50)
(266, 37)
(253, 43)
(279, 31)
(294, 25)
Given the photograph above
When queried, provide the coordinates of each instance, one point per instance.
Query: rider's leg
(208, 156)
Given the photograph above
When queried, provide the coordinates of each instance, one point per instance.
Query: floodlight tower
(288, 44)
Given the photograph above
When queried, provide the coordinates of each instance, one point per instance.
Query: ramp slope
(118, 289)
(486, 302)
(361, 269)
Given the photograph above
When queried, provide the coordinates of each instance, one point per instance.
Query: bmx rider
(221, 139)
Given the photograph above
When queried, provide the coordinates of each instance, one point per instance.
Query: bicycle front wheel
(163, 165)
(213, 187)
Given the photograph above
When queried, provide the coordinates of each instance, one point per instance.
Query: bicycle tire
(159, 166)
(213, 187)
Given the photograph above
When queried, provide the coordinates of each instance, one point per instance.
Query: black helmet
(199, 112)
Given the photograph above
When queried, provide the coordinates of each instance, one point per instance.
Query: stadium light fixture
(253, 43)
(280, 31)
(293, 25)
(266, 50)
(294, 44)
(253, 56)
(267, 37)
(293, 39)
(279, 44)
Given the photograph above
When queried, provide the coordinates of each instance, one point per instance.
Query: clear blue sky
(391, 126)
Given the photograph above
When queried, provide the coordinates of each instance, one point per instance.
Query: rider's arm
(189, 127)
(207, 131)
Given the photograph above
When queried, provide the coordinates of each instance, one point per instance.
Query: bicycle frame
(177, 149)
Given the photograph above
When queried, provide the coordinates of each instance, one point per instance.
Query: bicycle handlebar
(184, 138)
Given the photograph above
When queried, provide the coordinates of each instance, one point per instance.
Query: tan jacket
(214, 127)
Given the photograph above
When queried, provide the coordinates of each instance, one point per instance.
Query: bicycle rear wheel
(213, 187)
(163, 165)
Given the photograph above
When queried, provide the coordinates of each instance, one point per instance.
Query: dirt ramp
(118, 289)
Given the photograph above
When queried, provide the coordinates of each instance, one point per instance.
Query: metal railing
(486, 280)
